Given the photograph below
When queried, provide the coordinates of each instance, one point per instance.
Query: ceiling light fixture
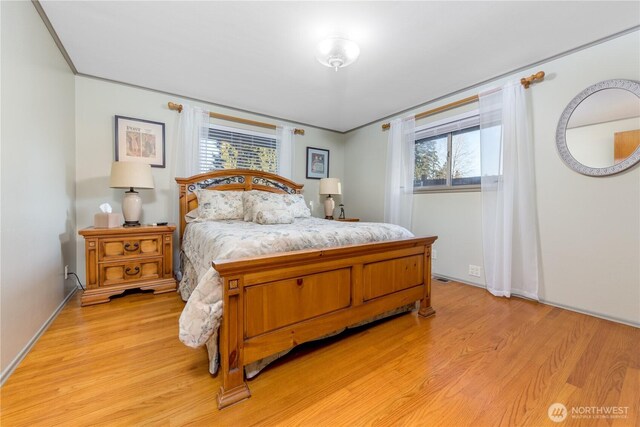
(337, 52)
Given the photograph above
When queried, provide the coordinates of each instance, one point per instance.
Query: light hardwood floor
(481, 361)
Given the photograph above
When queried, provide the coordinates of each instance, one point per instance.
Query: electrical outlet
(434, 254)
(66, 272)
(475, 270)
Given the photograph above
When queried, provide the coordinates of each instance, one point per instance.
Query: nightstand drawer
(129, 247)
(116, 273)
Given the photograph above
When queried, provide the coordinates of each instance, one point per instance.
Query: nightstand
(348, 219)
(124, 258)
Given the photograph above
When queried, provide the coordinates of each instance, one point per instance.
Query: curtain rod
(178, 108)
(525, 81)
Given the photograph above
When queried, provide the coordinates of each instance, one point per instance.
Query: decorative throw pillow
(214, 204)
(191, 216)
(275, 216)
(298, 206)
(266, 200)
(270, 201)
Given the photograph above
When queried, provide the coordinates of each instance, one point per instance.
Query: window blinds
(228, 148)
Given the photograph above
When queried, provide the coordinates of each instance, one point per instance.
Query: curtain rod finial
(526, 81)
(174, 106)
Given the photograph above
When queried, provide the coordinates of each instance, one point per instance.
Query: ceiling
(259, 56)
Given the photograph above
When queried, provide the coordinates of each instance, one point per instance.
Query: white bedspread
(207, 241)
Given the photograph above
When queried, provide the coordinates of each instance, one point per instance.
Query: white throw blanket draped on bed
(233, 239)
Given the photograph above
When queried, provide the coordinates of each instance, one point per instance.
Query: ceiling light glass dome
(337, 52)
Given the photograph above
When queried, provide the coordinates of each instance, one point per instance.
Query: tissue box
(107, 220)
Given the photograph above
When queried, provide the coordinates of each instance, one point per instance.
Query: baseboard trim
(16, 361)
(555, 304)
(453, 279)
(592, 313)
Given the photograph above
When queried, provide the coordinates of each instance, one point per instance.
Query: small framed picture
(317, 163)
(140, 141)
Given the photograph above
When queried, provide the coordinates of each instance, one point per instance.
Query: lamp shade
(330, 186)
(130, 175)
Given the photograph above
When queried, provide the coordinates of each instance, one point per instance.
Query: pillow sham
(271, 201)
(275, 216)
(267, 201)
(191, 216)
(213, 204)
(299, 207)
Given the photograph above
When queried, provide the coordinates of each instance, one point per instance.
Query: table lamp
(330, 186)
(130, 175)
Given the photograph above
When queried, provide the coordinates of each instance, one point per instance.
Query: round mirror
(599, 131)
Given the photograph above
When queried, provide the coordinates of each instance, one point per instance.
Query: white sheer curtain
(509, 212)
(193, 126)
(284, 139)
(398, 200)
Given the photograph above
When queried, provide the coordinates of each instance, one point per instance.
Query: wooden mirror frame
(561, 132)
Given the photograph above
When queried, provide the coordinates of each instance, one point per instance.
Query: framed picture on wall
(140, 141)
(317, 163)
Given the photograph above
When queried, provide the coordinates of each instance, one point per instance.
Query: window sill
(460, 189)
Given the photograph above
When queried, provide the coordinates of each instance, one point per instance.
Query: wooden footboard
(275, 302)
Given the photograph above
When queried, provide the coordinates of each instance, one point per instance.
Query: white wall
(98, 101)
(38, 174)
(589, 227)
(592, 145)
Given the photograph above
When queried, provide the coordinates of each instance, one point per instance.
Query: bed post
(233, 388)
(183, 202)
(425, 303)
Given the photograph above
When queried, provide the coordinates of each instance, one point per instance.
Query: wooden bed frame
(275, 302)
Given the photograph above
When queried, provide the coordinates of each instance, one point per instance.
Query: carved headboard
(230, 180)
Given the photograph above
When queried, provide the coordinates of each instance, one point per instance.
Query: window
(229, 148)
(447, 155)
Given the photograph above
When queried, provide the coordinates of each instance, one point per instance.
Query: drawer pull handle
(135, 271)
(299, 282)
(127, 247)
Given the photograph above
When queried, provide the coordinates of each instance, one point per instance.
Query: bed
(284, 285)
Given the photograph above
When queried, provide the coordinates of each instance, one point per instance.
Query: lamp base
(131, 208)
(329, 206)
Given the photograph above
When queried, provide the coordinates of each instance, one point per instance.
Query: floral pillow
(255, 200)
(191, 216)
(271, 201)
(275, 216)
(216, 205)
(298, 206)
